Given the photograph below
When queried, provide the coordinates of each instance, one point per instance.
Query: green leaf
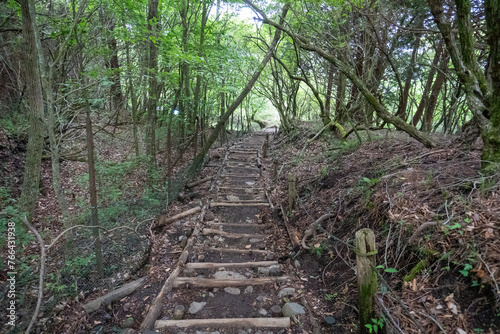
(390, 270)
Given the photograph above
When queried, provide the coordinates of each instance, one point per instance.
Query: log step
(208, 231)
(239, 175)
(229, 322)
(244, 200)
(210, 265)
(214, 204)
(235, 224)
(256, 189)
(197, 282)
(233, 250)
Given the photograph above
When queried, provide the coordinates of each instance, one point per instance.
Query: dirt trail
(232, 282)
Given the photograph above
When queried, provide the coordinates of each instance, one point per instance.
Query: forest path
(232, 282)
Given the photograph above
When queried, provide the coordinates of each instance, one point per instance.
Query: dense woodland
(117, 105)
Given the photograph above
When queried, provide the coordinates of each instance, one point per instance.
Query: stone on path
(232, 291)
(196, 307)
(249, 289)
(228, 275)
(286, 292)
(291, 309)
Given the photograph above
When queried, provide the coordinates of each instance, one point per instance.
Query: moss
(415, 271)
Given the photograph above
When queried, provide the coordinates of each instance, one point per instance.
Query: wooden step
(235, 224)
(208, 231)
(197, 282)
(233, 250)
(228, 322)
(211, 265)
(239, 175)
(244, 200)
(239, 188)
(214, 204)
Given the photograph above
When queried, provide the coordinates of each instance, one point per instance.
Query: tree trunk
(329, 85)
(403, 103)
(430, 78)
(153, 84)
(436, 89)
(491, 138)
(31, 182)
(94, 220)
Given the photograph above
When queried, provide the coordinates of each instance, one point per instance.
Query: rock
(232, 291)
(248, 221)
(296, 263)
(260, 299)
(270, 257)
(182, 237)
(189, 272)
(179, 312)
(275, 270)
(286, 292)
(263, 271)
(127, 322)
(291, 309)
(254, 240)
(201, 258)
(276, 310)
(196, 307)
(228, 275)
(127, 307)
(262, 312)
(249, 289)
(211, 295)
(330, 320)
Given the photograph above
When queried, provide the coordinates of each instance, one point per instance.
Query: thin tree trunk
(436, 89)
(32, 169)
(430, 78)
(403, 103)
(153, 84)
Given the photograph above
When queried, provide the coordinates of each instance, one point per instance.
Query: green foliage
(321, 249)
(375, 325)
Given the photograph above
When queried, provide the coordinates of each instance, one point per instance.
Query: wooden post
(264, 147)
(367, 275)
(292, 193)
(275, 169)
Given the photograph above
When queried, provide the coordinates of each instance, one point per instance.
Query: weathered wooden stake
(367, 275)
(264, 150)
(292, 194)
(275, 169)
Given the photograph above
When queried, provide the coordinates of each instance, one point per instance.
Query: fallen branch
(419, 230)
(193, 184)
(163, 219)
(113, 296)
(42, 273)
(291, 232)
(311, 231)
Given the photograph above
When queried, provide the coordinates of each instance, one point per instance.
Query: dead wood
(163, 219)
(292, 233)
(422, 227)
(311, 231)
(194, 184)
(113, 296)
